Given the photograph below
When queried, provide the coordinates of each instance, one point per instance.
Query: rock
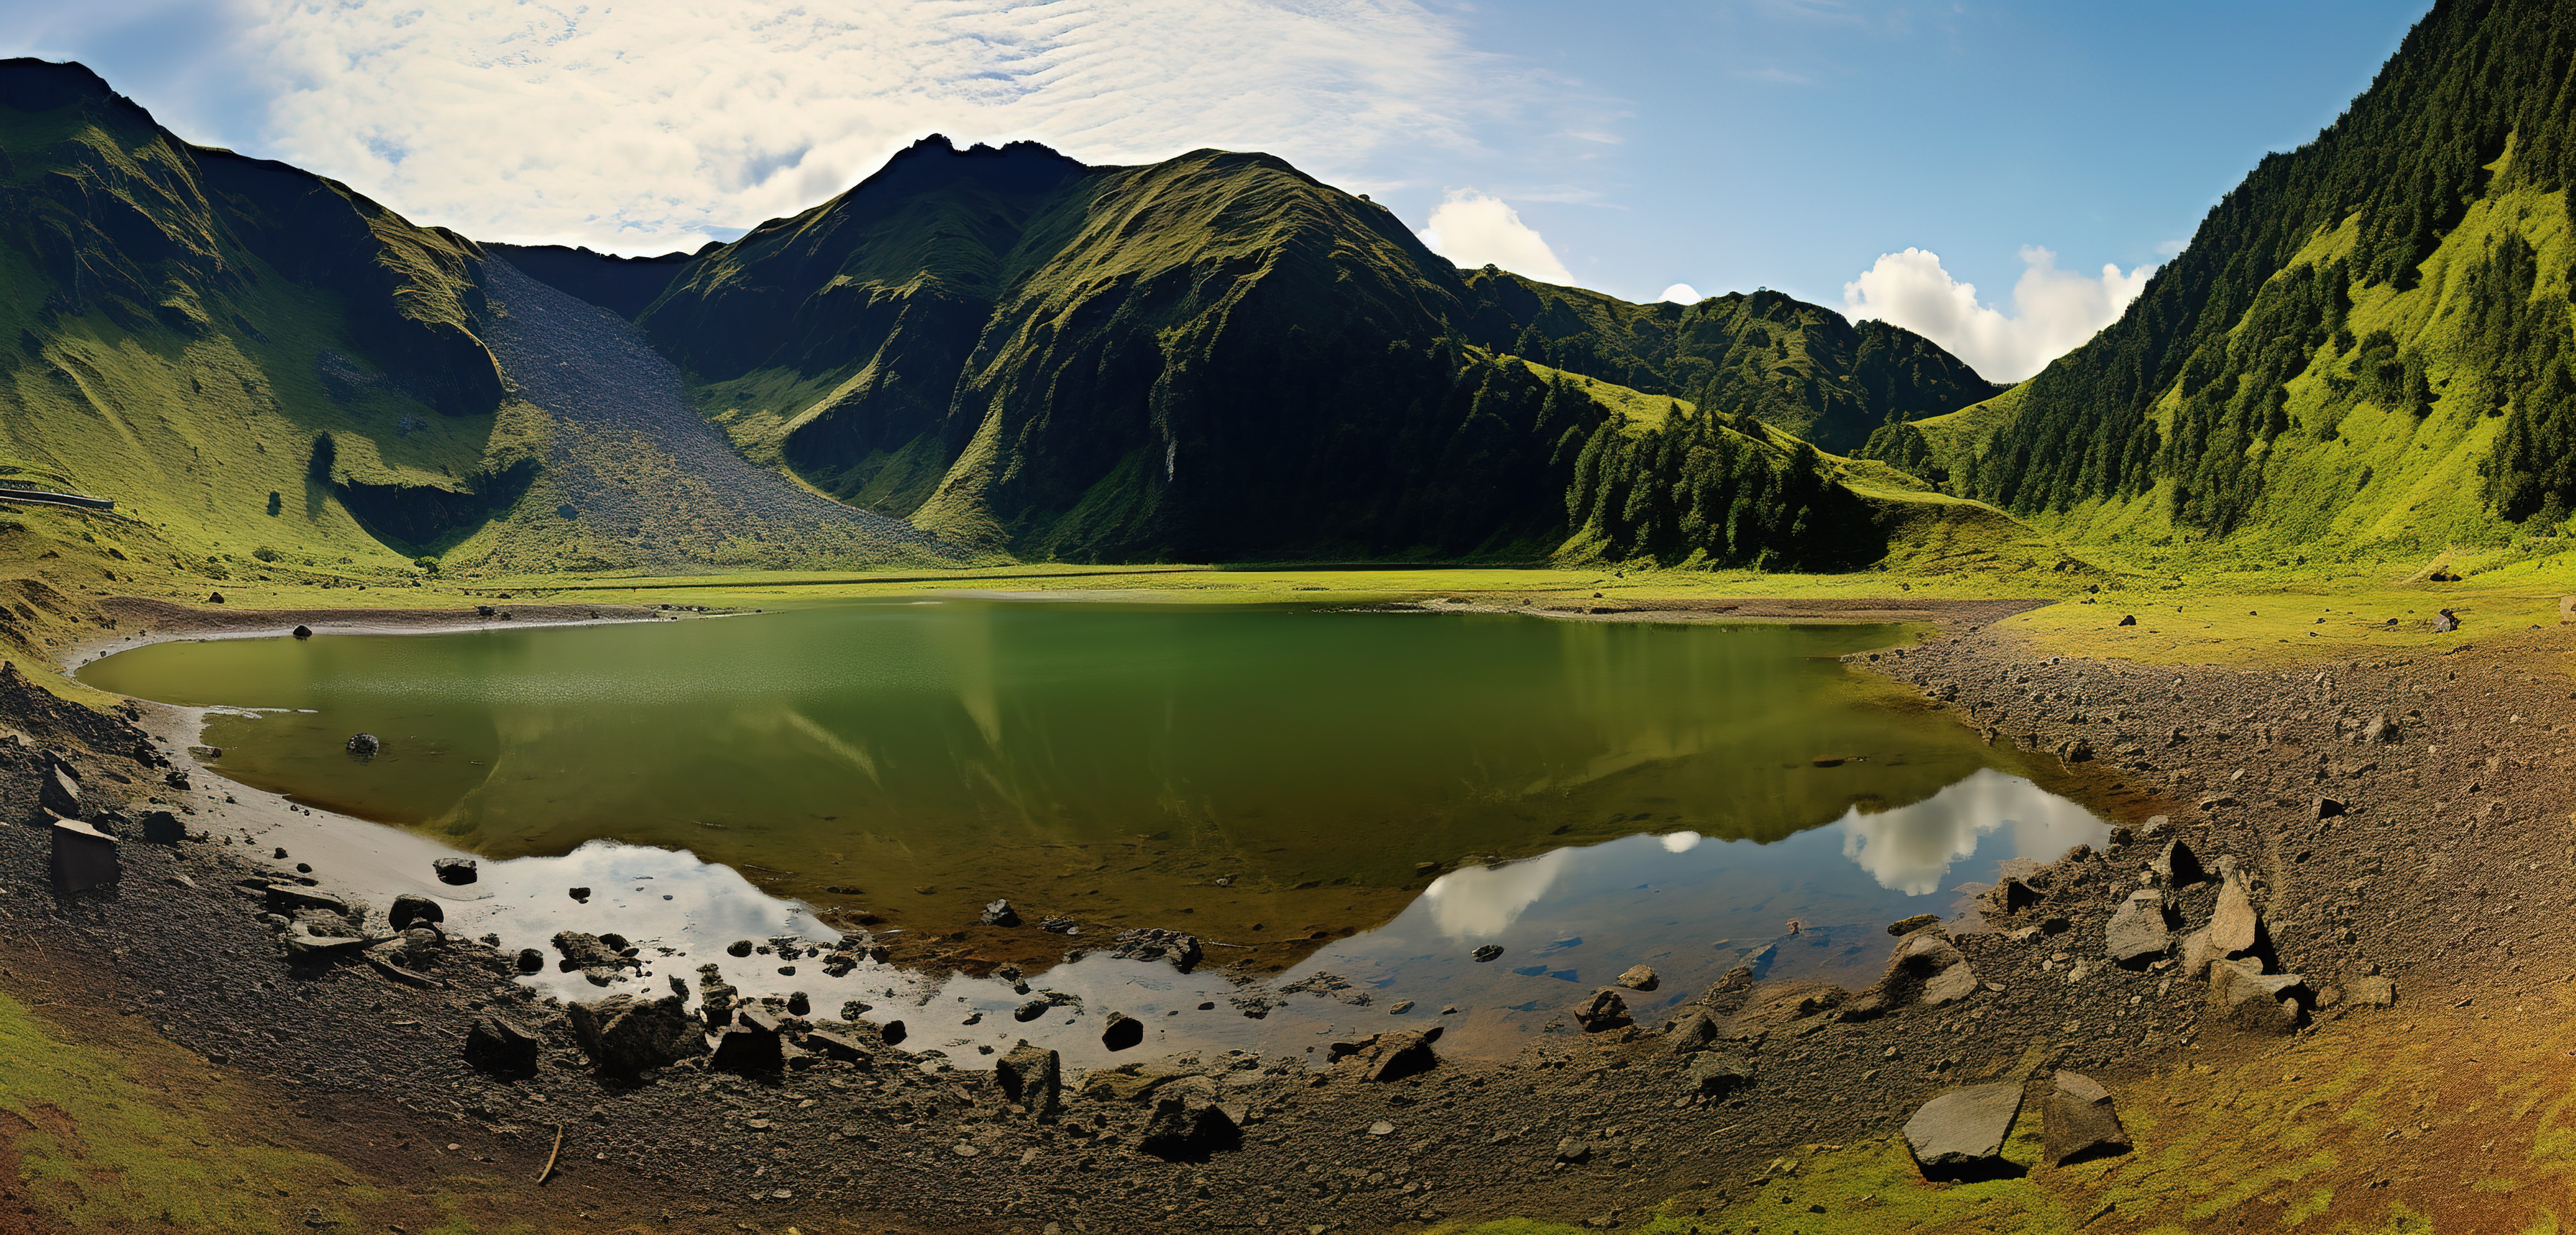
(1961, 1133)
(716, 997)
(160, 827)
(1690, 1033)
(798, 1004)
(749, 1046)
(303, 632)
(289, 899)
(1388, 1056)
(364, 745)
(499, 1046)
(411, 908)
(2445, 622)
(1180, 948)
(59, 793)
(2176, 866)
(531, 960)
(1573, 1152)
(454, 871)
(2155, 826)
(2326, 808)
(579, 895)
(892, 1033)
(1640, 978)
(2234, 926)
(1907, 926)
(2010, 895)
(1607, 1009)
(2372, 991)
(1489, 952)
(2128, 619)
(1122, 1032)
(1712, 1073)
(2139, 931)
(1030, 1011)
(739, 947)
(83, 857)
(1925, 969)
(592, 955)
(625, 1035)
(838, 1047)
(1000, 913)
(1188, 1121)
(1032, 1078)
(2250, 1000)
(2078, 1121)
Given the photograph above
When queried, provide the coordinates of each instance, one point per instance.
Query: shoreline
(2457, 816)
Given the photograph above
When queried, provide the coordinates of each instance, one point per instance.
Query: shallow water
(1593, 795)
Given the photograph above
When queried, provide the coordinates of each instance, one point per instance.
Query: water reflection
(1912, 848)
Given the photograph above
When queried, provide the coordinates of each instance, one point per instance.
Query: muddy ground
(2446, 868)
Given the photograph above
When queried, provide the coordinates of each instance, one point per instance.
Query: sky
(2002, 177)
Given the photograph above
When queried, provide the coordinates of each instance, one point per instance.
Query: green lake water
(1244, 772)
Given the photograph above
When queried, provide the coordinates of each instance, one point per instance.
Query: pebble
(1381, 1128)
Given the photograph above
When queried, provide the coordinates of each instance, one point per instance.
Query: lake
(1376, 793)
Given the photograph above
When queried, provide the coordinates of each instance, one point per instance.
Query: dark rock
(716, 997)
(1122, 1032)
(2010, 895)
(1032, 1078)
(625, 1035)
(2445, 622)
(1607, 1009)
(839, 1047)
(303, 632)
(1000, 913)
(160, 827)
(1489, 952)
(531, 960)
(592, 955)
(1188, 1121)
(412, 908)
(59, 793)
(2128, 619)
(364, 745)
(892, 1033)
(749, 1045)
(2327, 808)
(499, 1046)
(2139, 930)
(798, 1004)
(2080, 1122)
(2176, 866)
(1907, 926)
(454, 871)
(1389, 1056)
(1640, 978)
(1030, 1011)
(2252, 1001)
(1180, 948)
(1690, 1033)
(1716, 1072)
(1573, 1151)
(1925, 969)
(580, 895)
(83, 857)
(739, 947)
(407, 977)
(1960, 1135)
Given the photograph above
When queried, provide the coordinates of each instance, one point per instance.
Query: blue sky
(1882, 158)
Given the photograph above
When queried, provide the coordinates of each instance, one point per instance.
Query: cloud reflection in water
(1910, 849)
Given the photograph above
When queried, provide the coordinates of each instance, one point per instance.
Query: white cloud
(1474, 229)
(2054, 310)
(1910, 849)
(657, 123)
(1681, 293)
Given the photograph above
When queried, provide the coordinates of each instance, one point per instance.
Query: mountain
(254, 358)
(1215, 356)
(2365, 345)
(981, 353)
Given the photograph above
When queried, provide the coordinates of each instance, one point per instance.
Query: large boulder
(59, 792)
(83, 857)
(2176, 866)
(501, 1047)
(625, 1035)
(2235, 928)
(1607, 1009)
(1926, 968)
(455, 871)
(1716, 1072)
(1188, 1121)
(1122, 1031)
(1960, 1135)
(594, 957)
(749, 1045)
(2139, 931)
(2250, 1000)
(2078, 1121)
(1692, 1031)
(412, 909)
(1032, 1078)
(1389, 1056)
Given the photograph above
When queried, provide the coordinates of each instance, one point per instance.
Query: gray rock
(1000, 913)
(1032, 1078)
(2445, 622)
(1607, 1009)
(59, 793)
(2373, 991)
(455, 871)
(363, 745)
(1717, 1072)
(1188, 1121)
(412, 908)
(1030, 1010)
(1926, 968)
(839, 1047)
(625, 1035)
(1640, 978)
(1962, 1132)
(500, 1046)
(2079, 1121)
(2252, 1001)
(749, 1045)
(2379, 731)
(289, 899)
(2139, 932)
(1573, 1151)
(2234, 926)
(1389, 1056)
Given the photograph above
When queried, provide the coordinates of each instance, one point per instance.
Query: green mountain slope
(2366, 343)
(263, 366)
(1210, 357)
